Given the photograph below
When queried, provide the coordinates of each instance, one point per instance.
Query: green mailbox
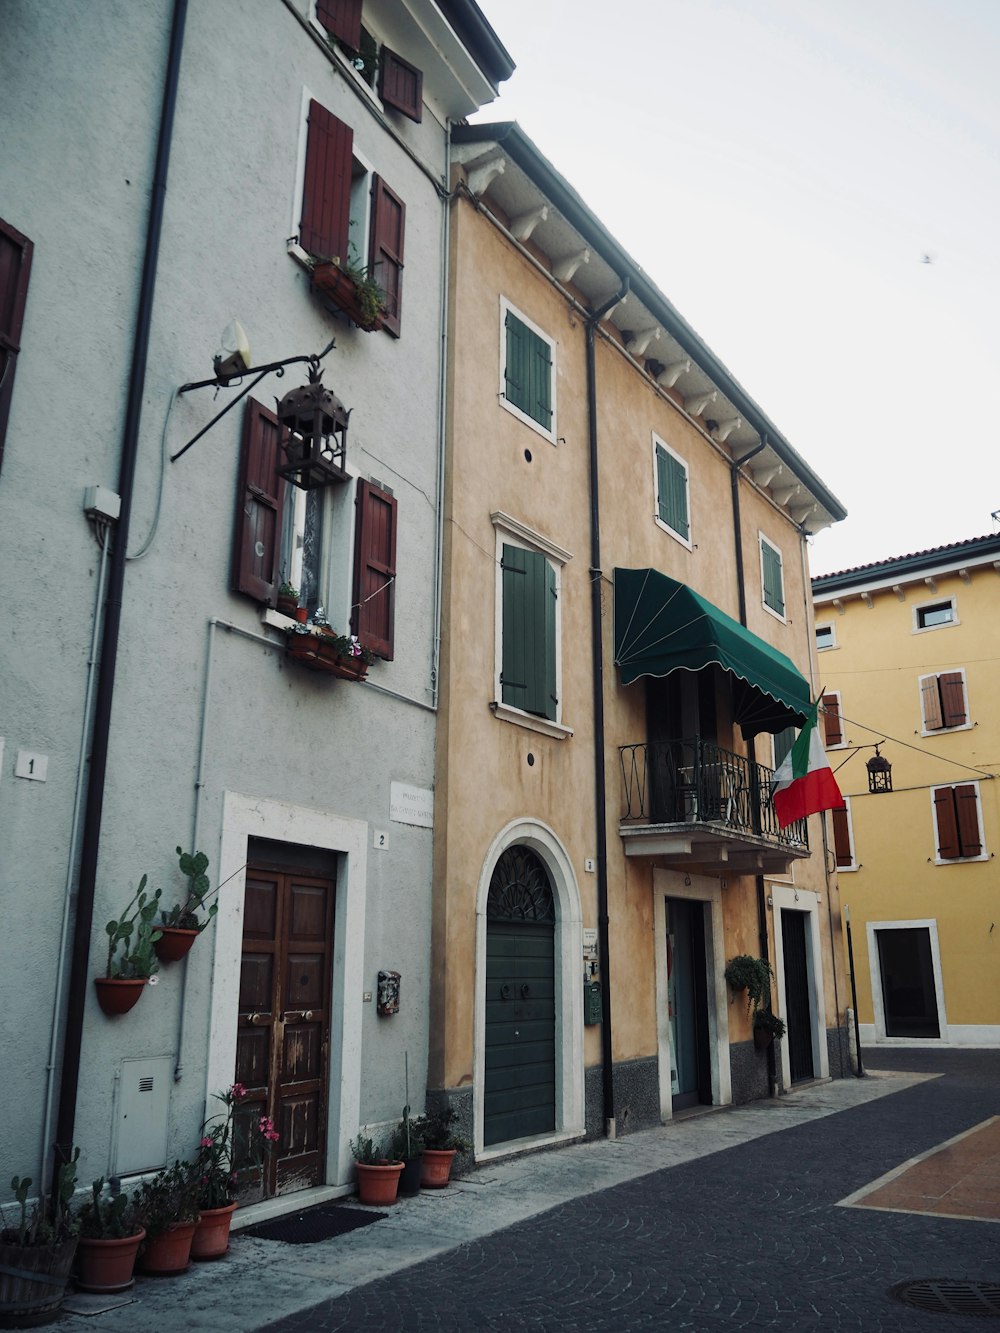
(591, 1002)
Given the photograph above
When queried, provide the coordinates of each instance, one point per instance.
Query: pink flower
(206, 1143)
(238, 1090)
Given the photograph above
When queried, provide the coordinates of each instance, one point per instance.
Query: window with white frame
(935, 615)
(944, 704)
(527, 371)
(958, 823)
(826, 637)
(528, 657)
(772, 578)
(400, 84)
(843, 836)
(670, 484)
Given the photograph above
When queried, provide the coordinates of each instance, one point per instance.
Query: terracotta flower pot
(436, 1167)
(174, 942)
(211, 1237)
(107, 1265)
(378, 1184)
(287, 605)
(301, 614)
(169, 1251)
(117, 995)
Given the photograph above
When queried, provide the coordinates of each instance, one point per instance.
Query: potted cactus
(131, 953)
(110, 1238)
(181, 925)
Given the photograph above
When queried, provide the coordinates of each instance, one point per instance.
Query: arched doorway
(519, 1094)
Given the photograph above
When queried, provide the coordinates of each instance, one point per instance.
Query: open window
(350, 219)
(15, 267)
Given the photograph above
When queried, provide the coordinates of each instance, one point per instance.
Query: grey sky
(781, 169)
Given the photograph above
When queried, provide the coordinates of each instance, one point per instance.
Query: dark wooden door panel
(519, 1086)
(799, 1016)
(284, 1020)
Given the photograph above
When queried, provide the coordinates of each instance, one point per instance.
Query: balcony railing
(695, 781)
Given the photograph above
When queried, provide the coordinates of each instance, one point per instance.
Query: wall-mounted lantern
(314, 427)
(879, 773)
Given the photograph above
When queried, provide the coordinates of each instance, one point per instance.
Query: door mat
(312, 1224)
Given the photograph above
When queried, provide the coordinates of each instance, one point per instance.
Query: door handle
(505, 992)
(258, 1020)
(525, 991)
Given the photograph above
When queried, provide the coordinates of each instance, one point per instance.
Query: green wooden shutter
(528, 371)
(528, 657)
(774, 595)
(671, 492)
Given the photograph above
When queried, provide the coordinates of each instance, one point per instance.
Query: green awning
(663, 626)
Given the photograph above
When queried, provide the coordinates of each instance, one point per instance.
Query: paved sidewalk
(262, 1281)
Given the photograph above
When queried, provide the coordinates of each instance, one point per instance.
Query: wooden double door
(283, 1038)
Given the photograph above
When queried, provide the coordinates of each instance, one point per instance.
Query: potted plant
(350, 288)
(181, 926)
(407, 1147)
(378, 1177)
(752, 975)
(167, 1206)
(441, 1144)
(128, 971)
(110, 1238)
(766, 1027)
(37, 1249)
(288, 599)
(323, 649)
(222, 1156)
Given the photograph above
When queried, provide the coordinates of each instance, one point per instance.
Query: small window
(958, 823)
(825, 637)
(772, 578)
(833, 729)
(943, 701)
(15, 268)
(670, 478)
(935, 614)
(527, 385)
(843, 836)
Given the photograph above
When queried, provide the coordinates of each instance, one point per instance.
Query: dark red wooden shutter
(842, 836)
(931, 703)
(386, 257)
(832, 729)
(260, 500)
(373, 600)
(15, 268)
(967, 810)
(326, 190)
(341, 19)
(953, 699)
(947, 824)
(400, 84)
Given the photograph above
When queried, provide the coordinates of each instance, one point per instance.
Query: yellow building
(626, 622)
(908, 651)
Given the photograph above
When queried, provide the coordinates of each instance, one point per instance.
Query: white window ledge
(530, 722)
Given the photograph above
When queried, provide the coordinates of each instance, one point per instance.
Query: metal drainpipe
(762, 940)
(597, 645)
(77, 992)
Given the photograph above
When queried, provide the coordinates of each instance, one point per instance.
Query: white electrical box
(101, 502)
(143, 1105)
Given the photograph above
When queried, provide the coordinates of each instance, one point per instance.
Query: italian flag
(804, 783)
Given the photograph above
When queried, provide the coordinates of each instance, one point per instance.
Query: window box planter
(343, 293)
(314, 652)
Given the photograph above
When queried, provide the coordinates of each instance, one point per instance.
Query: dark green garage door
(520, 1090)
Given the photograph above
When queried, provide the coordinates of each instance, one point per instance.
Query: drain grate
(947, 1296)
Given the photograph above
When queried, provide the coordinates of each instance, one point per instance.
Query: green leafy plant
(348, 645)
(366, 1151)
(436, 1133)
(287, 590)
(46, 1222)
(769, 1022)
(752, 975)
(184, 914)
(171, 1196)
(136, 934)
(407, 1142)
(107, 1218)
(230, 1148)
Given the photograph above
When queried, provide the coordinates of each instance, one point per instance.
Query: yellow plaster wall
(875, 668)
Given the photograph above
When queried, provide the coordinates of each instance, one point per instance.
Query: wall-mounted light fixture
(879, 773)
(314, 434)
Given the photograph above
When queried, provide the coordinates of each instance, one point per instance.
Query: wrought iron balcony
(690, 803)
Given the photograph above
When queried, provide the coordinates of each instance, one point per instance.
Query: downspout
(77, 991)
(442, 424)
(597, 647)
(762, 940)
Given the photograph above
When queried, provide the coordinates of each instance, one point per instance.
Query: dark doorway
(907, 971)
(519, 1095)
(798, 1006)
(687, 993)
